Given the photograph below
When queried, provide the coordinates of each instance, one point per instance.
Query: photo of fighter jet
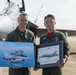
(15, 54)
(49, 55)
(15, 58)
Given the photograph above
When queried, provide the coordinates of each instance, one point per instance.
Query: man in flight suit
(53, 36)
(20, 34)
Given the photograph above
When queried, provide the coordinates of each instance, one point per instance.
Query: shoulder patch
(44, 38)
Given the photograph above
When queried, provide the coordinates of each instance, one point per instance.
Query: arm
(66, 51)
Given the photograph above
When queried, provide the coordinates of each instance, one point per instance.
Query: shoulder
(43, 35)
(11, 35)
(30, 32)
(30, 35)
(59, 33)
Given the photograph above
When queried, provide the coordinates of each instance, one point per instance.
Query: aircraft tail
(8, 0)
(7, 55)
(55, 53)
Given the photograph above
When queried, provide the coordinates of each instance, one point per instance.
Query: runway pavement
(68, 69)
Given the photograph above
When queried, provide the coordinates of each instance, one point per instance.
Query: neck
(22, 29)
(49, 31)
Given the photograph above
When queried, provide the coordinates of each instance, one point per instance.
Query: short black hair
(49, 15)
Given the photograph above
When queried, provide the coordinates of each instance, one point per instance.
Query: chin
(50, 28)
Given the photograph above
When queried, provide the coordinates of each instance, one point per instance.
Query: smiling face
(49, 23)
(23, 21)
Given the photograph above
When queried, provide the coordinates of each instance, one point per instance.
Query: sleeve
(66, 48)
(40, 40)
(9, 38)
(32, 37)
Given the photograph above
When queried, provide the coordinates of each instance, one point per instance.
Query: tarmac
(68, 69)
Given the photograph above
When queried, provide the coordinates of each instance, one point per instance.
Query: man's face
(49, 23)
(23, 21)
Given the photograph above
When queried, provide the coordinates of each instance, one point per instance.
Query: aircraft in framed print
(49, 55)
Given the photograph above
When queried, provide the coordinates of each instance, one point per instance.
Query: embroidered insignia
(44, 38)
(55, 39)
(19, 39)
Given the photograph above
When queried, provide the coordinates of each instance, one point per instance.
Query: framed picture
(50, 55)
(17, 54)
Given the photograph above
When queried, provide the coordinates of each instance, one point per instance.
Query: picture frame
(50, 54)
(17, 54)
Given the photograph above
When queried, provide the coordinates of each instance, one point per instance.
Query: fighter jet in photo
(49, 55)
(18, 53)
(15, 59)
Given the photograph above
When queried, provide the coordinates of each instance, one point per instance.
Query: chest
(22, 38)
(50, 40)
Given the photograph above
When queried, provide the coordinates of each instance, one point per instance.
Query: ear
(55, 23)
(44, 23)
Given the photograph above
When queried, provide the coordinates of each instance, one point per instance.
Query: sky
(63, 10)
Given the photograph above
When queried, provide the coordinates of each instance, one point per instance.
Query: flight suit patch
(43, 38)
(19, 39)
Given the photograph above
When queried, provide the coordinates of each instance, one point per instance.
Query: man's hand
(35, 69)
(64, 61)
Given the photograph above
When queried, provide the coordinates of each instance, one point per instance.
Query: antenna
(23, 6)
(39, 13)
(8, 0)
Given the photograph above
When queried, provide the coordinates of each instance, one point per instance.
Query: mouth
(23, 25)
(49, 26)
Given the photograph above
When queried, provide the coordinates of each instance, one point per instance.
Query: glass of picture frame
(50, 54)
